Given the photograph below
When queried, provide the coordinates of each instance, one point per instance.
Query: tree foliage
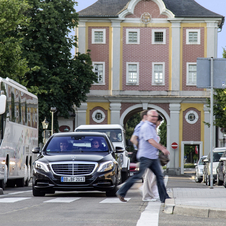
(11, 19)
(219, 106)
(54, 76)
(163, 133)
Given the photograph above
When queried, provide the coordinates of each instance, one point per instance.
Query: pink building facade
(144, 53)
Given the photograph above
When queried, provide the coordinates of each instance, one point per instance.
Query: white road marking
(19, 192)
(12, 200)
(61, 200)
(114, 200)
(150, 216)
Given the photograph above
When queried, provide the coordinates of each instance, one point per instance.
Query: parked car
(72, 162)
(217, 153)
(221, 170)
(199, 169)
(116, 134)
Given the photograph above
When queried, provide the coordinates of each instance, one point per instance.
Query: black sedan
(77, 161)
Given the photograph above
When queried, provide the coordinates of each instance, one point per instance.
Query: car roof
(65, 134)
(222, 149)
(102, 126)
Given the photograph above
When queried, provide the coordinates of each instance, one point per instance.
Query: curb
(199, 211)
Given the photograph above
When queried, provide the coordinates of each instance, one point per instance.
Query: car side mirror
(36, 150)
(119, 150)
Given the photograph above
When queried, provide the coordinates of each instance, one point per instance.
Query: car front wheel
(37, 192)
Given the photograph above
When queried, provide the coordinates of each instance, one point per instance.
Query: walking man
(148, 157)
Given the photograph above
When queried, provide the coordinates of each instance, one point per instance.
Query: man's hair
(143, 113)
(152, 110)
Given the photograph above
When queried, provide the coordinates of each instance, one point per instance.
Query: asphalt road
(18, 207)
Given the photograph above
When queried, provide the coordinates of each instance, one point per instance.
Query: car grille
(73, 169)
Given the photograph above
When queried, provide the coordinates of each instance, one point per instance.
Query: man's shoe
(121, 198)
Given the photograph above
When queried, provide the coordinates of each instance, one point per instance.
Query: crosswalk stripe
(113, 200)
(12, 200)
(61, 200)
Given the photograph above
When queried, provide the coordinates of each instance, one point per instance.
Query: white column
(115, 113)
(176, 29)
(81, 115)
(82, 37)
(212, 33)
(174, 135)
(116, 40)
(206, 130)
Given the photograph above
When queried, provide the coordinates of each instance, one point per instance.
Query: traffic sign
(174, 145)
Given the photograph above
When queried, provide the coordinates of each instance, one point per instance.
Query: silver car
(199, 169)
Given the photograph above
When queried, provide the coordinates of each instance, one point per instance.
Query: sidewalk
(198, 202)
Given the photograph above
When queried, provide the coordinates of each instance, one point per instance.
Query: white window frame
(127, 73)
(164, 36)
(138, 36)
(103, 63)
(187, 73)
(153, 74)
(104, 36)
(198, 36)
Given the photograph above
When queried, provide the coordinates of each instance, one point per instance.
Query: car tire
(37, 192)
(112, 192)
(125, 175)
(219, 182)
(197, 180)
(224, 182)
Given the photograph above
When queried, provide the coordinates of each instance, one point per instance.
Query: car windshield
(216, 156)
(201, 161)
(115, 135)
(77, 143)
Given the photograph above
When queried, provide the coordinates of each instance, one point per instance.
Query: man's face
(152, 117)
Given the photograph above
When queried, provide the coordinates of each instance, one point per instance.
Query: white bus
(18, 133)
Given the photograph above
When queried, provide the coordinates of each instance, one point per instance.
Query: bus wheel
(2, 184)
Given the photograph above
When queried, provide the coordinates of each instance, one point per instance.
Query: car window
(201, 161)
(77, 143)
(115, 135)
(216, 156)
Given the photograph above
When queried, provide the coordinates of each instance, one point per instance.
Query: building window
(98, 36)
(132, 36)
(158, 73)
(191, 74)
(191, 117)
(158, 36)
(98, 116)
(132, 73)
(99, 70)
(192, 36)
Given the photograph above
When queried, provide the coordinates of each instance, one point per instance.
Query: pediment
(136, 8)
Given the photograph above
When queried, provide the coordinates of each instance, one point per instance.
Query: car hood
(76, 157)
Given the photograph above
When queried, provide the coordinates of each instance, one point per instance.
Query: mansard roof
(180, 8)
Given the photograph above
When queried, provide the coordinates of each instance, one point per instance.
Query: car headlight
(105, 166)
(41, 166)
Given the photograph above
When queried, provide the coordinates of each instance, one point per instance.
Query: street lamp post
(45, 125)
(52, 110)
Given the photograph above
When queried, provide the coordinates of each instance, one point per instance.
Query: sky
(217, 6)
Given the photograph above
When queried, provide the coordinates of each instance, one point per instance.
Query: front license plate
(72, 179)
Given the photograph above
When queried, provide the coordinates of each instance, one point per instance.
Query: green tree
(163, 133)
(55, 77)
(11, 19)
(219, 107)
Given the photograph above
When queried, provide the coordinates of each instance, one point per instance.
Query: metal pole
(211, 127)
(52, 124)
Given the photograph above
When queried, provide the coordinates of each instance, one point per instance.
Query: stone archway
(141, 107)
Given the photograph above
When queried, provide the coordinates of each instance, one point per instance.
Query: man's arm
(133, 139)
(158, 146)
